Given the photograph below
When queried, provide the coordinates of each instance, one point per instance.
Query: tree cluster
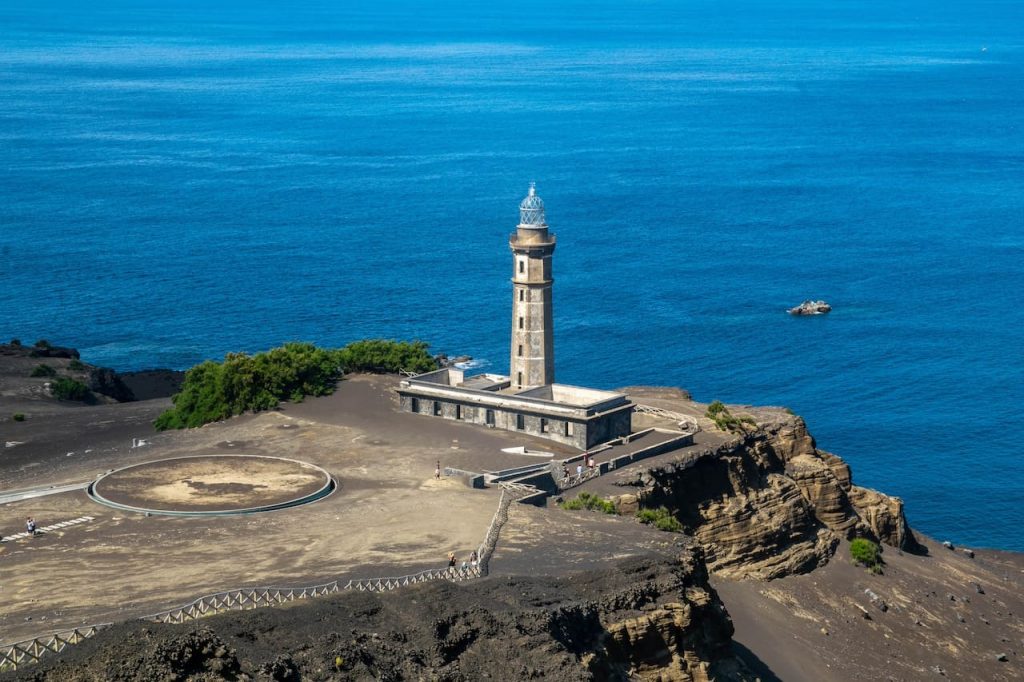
(213, 391)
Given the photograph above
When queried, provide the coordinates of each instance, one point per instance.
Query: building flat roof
(491, 387)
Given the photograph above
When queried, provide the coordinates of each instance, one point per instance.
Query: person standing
(451, 559)
(437, 470)
(30, 526)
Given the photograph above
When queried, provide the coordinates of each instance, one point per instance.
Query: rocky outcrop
(646, 619)
(106, 382)
(768, 504)
(884, 518)
(42, 349)
(811, 308)
(678, 635)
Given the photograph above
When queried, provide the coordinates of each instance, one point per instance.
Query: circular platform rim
(329, 487)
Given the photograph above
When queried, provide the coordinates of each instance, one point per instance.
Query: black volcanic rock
(638, 619)
(148, 384)
(47, 351)
(106, 381)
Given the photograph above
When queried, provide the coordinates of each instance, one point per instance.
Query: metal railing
(573, 480)
(685, 423)
(30, 651)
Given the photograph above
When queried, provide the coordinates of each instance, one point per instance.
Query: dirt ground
(946, 616)
(390, 516)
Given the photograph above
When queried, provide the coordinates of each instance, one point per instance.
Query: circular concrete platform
(206, 485)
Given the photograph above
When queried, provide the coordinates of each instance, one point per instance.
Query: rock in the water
(811, 308)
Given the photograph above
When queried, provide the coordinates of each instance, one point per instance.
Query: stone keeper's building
(528, 399)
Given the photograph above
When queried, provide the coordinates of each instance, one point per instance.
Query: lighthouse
(533, 343)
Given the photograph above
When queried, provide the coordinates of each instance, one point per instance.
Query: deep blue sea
(179, 180)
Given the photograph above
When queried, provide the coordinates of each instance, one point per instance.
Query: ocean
(180, 180)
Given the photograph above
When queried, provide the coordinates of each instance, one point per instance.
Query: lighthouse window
(520, 350)
(522, 295)
(520, 323)
(522, 266)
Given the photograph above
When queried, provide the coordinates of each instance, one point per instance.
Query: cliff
(766, 502)
(646, 619)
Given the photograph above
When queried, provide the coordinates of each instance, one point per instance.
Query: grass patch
(661, 518)
(43, 343)
(76, 365)
(43, 371)
(66, 388)
(18, 417)
(867, 553)
(590, 502)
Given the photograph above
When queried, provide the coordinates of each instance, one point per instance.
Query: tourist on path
(451, 560)
(473, 559)
(437, 470)
(579, 470)
(30, 526)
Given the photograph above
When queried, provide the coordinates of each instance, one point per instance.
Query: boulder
(811, 308)
(106, 382)
(883, 516)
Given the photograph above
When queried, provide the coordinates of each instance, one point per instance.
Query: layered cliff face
(767, 503)
(649, 619)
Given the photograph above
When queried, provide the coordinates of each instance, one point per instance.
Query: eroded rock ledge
(645, 619)
(767, 503)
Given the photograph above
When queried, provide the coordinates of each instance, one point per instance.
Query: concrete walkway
(42, 491)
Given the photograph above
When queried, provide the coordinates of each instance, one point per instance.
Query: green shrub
(43, 371)
(213, 391)
(661, 518)
(43, 343)
(383, 355)
(66, 388)
(867, 553)
(590, 502)
(18, 417)
(724, 420)
(16, 342)
(716, 408)
(76, 365)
